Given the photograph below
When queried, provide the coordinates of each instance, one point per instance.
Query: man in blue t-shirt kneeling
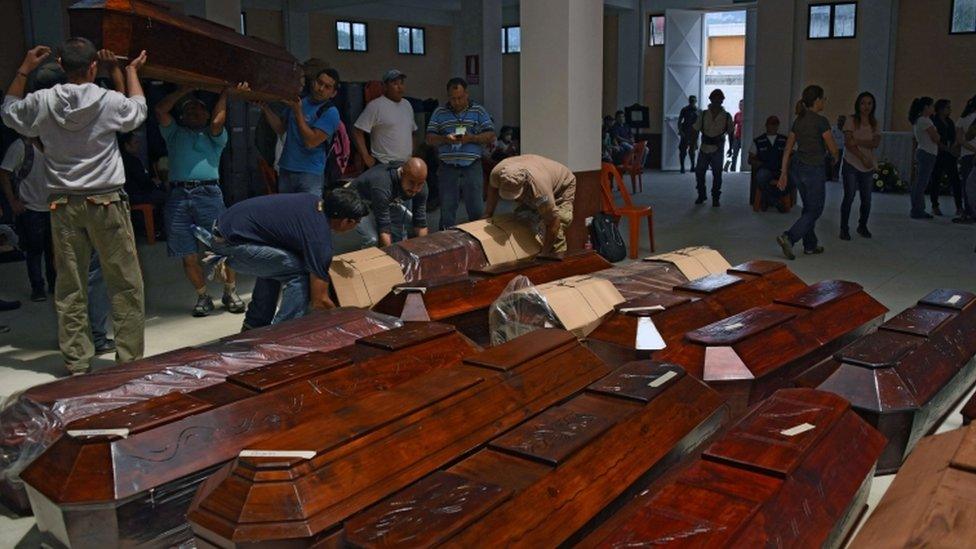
(308, 127)
(288, 253)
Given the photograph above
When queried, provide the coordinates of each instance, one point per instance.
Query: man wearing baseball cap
(389, 121)
(766, 157)
(543, 188)
(714, 123)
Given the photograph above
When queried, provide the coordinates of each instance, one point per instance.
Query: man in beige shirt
(543, 188)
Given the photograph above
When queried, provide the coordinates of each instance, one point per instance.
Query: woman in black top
(946, 163)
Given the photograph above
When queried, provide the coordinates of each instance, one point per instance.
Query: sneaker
(9, 305)
(233, 302)
(38, 295)
(784, 244)
(701, 199)
(715, 203)
(815, 251)
(105, 347)
(845, 234)
(204, 306)
(863, 231)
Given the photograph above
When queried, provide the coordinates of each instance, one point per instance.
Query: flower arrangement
(888, 180)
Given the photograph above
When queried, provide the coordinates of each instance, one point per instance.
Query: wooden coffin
(794, 472)
(126, 477)
(551, 477)
(384, 443)
(442, 254)
(908, 376)
(36, 417)
(635, 280)
(463, 301)
(749, 355)
(932, 501)
(690, 306)
(187, 50)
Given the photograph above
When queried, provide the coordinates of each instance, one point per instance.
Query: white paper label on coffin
(504, 238)
(124, 433)
(799, 429)
(662, 379)
(303, 454)
(954, 299)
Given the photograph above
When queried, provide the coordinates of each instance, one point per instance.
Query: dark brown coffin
(463, 301)
(635, 280)
(906, 377)
(36, 418)
(384, 443)
(555, 475)
(108, 490)
(690, 305)
(442, 254)
(750, 355)
(932, 501)
(758, 486)
(187, 50)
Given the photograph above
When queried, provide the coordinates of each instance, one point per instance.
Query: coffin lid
(639, 380)
(919, 321)
(506, 357)
(651, 299)
(758, 267)
(821, 293)
(738, 327)
(881, 349)
(953, 299)
(710, 283)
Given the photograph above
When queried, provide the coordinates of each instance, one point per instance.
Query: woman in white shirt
(861, 138)
(967, 128)
(927, 139)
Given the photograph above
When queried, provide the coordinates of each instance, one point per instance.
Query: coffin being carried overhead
(794, 472)
(906, 377)
(187, 50)
(34, 419)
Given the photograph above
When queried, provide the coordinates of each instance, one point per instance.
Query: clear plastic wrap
(636, 279)
(33, 419)
(519, 309)
(442, 254)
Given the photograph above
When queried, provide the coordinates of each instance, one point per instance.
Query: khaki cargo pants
(565, 214)
(78, 225)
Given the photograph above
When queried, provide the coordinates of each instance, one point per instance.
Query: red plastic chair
(609, 174)
(633, 164)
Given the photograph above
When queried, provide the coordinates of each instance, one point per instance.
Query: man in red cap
(766, 158)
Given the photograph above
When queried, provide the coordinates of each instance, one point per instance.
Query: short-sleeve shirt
(863, 133)
(925, 142)
(737, 122)
(194, 155)
(474, 120)
(32, 190)
(390, 127)
(546, 181)
(304, 231)
(295, 156)
(964, 124)
(810, 146)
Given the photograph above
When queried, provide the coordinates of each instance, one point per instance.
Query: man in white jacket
(77, 122)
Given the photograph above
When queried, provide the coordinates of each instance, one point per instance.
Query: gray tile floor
(905, 259)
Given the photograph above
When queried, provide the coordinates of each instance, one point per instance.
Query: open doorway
(723, 68)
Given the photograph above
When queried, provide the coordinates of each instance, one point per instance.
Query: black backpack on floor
(606, 238)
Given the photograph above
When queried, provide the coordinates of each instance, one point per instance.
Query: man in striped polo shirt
(460, 130)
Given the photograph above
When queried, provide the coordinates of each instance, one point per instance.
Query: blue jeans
(811, 182)
(460, 180)
(98, 304)
(923, 173)
(185, 208)
(401, 219)
(276, 270)
(856, 181)
(300, 182)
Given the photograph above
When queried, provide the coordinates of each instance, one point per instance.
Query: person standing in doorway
(927, 149)
(946, 161)
(813, 139)
(714, 124)
(389, 121)
(736, 146)
(861, 137)
(688, 136)
(966, 137)
(460, 130)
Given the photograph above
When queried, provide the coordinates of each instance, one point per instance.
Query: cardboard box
(504, 238)
(581, 302)
(694, 262)
(364, 277)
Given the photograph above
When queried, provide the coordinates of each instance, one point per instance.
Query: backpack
(606, 238)
(338, 151)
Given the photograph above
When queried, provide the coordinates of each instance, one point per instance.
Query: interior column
(478, 32)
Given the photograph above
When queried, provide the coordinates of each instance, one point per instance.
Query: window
(655, 32)
(832, 20)
(410, 40)
(963, 16)
(350, 36)
(511, 39)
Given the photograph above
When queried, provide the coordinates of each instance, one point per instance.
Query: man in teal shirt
(194, 143)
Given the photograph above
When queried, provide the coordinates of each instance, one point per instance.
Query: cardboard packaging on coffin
(932, 501)
(430, 428)
(187, 50)
(34, 419)
(126, 477)
(908, 376)
(794, 472)
(363, 278)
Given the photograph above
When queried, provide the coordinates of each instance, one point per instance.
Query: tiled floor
(905, 259)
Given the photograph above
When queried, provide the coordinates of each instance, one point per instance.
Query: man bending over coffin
(397, 192)
(544, 190)
(286, 241)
